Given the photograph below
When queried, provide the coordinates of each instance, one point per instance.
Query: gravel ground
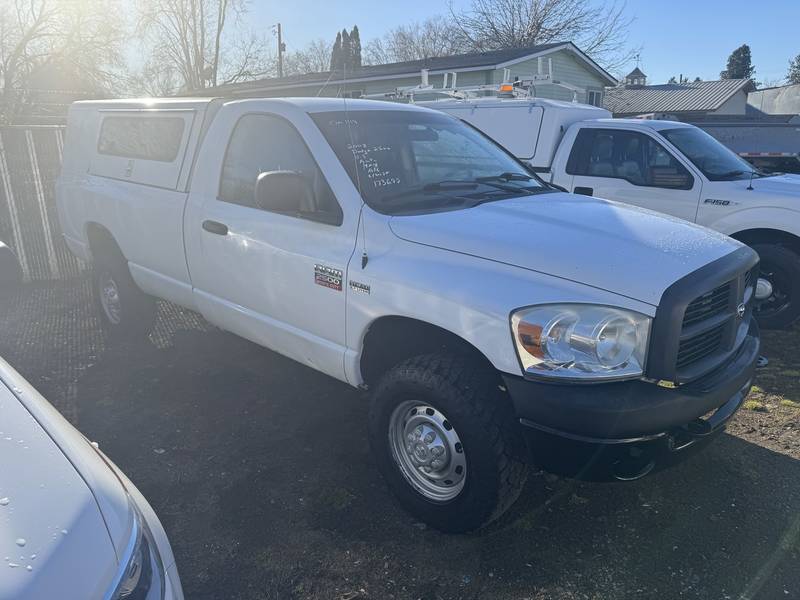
(260, 471)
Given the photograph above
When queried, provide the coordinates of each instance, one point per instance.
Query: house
(682, 100)
(583, 80)
(783, 100)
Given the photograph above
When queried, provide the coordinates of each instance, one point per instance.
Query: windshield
(410, 162)
(717, 162)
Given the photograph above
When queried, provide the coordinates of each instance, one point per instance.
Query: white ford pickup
(399, 250)
(671, 167)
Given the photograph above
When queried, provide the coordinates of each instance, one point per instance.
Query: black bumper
(636, 411)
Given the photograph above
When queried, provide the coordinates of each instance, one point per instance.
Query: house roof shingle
(699, 96)
(489, 59)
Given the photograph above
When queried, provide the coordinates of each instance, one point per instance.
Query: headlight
(141, 575)
(581, 341)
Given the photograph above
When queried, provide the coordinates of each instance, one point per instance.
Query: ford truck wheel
(125, 311)
(778, 289)
(446, 440)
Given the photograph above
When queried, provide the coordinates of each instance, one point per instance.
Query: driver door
(634, 168)
(269, 272)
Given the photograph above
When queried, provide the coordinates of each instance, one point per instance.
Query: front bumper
(638, 411)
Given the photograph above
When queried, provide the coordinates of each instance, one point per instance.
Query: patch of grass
(790, 403)
(790, 373)
(756, 390)
(754, 405)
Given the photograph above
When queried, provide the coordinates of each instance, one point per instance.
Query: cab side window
(268, 167)
(628, 155)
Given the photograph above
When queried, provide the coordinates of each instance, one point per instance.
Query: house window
(594, 97)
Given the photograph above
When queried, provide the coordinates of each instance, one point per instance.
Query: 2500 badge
(328, 277)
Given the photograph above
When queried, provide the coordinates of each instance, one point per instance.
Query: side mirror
(10, 273)
(284, 192)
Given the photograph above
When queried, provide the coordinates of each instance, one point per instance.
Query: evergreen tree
(346, 52)
(355, 48)
(793, 76)
(346, 55)
(336, 53)
(740, 65)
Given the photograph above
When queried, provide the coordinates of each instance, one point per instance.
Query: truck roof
(655, 124)
(310, 105)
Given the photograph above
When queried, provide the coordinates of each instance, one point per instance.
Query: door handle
(584, 191)
(215, 227)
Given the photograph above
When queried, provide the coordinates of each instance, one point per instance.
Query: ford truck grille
(696, 330)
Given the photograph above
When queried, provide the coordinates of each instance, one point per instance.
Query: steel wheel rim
(109, 300)
(427, 450)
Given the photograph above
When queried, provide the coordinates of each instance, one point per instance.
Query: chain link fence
(30, 160)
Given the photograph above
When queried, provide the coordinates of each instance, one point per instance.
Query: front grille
(700, 346)
(708, 305)
(699, 323)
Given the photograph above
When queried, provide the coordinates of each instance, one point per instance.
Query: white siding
(567, 68)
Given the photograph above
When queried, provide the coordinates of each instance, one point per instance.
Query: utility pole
(281, 50)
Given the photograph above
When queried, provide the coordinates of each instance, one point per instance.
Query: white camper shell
(530, 128)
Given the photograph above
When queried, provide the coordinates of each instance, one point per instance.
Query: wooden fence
(30, 160)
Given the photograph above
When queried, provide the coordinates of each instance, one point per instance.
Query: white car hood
(781, 185)
(618, 248)
(54, 542)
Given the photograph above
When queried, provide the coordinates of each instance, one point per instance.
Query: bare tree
(600, 30)
(314, 58)
(197, 44)
(433, 37)
(78, 39)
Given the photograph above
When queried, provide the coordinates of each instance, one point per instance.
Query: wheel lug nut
(437, 450)
(429, 438)
(437, 464)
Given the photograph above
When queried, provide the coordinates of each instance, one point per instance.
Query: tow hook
(636, 463)
(639, 461)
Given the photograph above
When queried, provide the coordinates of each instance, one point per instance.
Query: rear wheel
(125, 311)
(447, 442)
(778, 289)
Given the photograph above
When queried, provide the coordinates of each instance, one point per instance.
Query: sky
(692, 37)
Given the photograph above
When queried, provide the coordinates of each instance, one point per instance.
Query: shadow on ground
(260, 471)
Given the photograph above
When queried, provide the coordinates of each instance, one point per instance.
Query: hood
(53, 536)
(618, 248)
(781, 185)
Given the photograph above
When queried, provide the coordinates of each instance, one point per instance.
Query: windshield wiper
(507, 176)
(729, 174)
(430, 188)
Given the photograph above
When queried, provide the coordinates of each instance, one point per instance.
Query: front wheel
(778, 289)
(446, 440)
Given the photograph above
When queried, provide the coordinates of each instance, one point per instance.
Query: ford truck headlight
(581, 341)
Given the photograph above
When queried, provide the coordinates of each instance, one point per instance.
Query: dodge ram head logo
(740, 310)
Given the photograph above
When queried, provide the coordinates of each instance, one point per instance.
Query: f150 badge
(718, 202)
(328, 277)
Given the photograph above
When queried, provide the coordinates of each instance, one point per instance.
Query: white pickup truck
(671, 167)
(399, 250)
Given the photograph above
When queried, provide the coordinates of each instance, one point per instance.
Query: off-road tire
(469, 394)
(137, 310)
(784, 263)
